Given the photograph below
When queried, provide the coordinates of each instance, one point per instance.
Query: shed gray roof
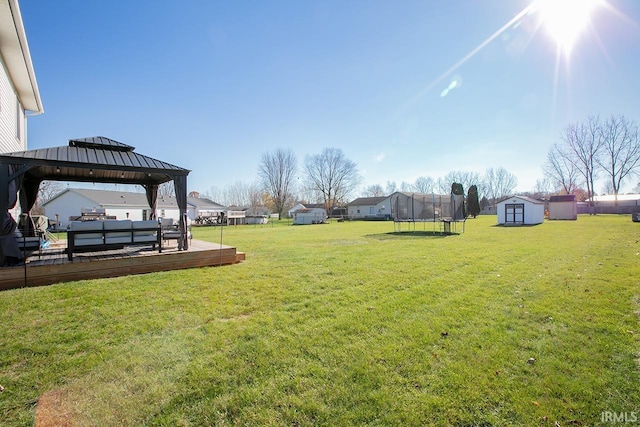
(94, 159)
(563, 198)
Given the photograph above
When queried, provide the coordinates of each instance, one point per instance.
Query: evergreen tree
(473, 204)
(458, 190)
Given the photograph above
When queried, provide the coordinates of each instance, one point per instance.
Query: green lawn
(344, 324)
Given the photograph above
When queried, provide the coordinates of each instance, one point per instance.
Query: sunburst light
(566, 20)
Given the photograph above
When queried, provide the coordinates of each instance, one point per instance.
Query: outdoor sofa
(102, 235)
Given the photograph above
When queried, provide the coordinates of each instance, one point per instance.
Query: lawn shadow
(410, 234)
(516, 225)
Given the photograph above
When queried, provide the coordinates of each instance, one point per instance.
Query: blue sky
(211, 85)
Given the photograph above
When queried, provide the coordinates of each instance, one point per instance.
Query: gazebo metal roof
(95, 159)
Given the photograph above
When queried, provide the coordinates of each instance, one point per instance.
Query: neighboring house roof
(112, 198)
(251, 210)
(16, 57)
(313, 205)
(203, 203)
(115, 198)
(309, 210)
(367, 201)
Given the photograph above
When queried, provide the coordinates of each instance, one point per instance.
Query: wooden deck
(52, 266)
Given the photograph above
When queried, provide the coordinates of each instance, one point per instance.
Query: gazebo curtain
(28, 197)
(180, 187)
(10, 183)
(152, 198)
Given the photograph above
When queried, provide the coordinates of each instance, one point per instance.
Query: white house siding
(67, 205)
(380, 210)
(9, 111)
(71, 204)
(293, 210)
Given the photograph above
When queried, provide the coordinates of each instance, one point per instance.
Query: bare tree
(166, 189)
(331, 175)
(443, 185)
(544, 187)
(277, 175)
(406, 186)
(237, 194)
(499, 183)
(607, 188)
(620, 150)
(214, 194)
(425, 184)
(584, 143)
(374, 190)
(467, 179)
(391, 187)
(561, 169)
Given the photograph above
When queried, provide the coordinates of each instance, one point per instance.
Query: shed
(520, 210)
(309, 216)
(563, 207)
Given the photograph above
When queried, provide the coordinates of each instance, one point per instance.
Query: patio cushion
(86, 238)
(174, 235)
(145, 235)
(119, 236)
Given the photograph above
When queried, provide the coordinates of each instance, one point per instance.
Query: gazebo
(94, 159)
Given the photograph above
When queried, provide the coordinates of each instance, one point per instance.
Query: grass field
(343, 324)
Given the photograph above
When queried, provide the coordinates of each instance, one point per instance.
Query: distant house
(606, 204)
(337, 212)
(204, 207)
(309, 216)
(299, 206)
(237, 215)
(370, 208)
(520, 210)
(563, 207)
(71, 203)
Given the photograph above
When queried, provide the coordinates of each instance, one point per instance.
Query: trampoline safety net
(417, 207)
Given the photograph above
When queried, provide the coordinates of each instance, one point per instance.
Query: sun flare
(566, 20)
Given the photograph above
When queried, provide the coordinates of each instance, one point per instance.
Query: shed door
(514, 213)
